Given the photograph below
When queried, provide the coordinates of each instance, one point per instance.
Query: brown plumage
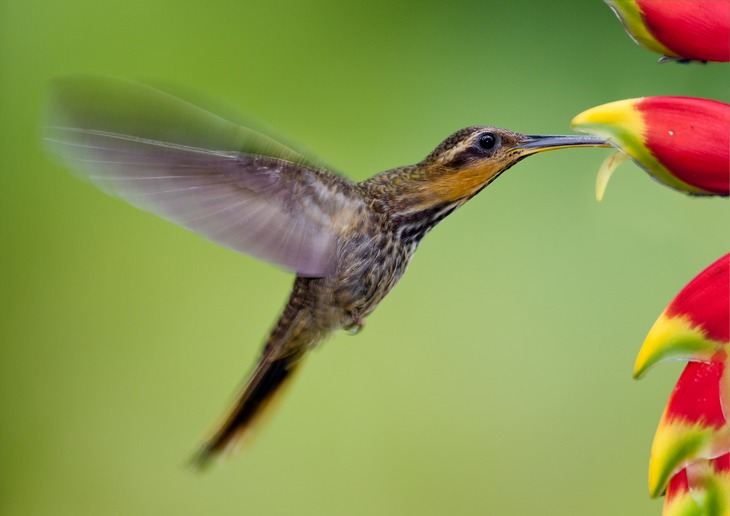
(349, 243)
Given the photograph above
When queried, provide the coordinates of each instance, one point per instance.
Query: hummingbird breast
(375, 243)
(372, 264)
(371, 259)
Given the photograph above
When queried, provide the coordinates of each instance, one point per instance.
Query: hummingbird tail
(262, 388)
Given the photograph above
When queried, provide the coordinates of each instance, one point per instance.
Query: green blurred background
(495, 379)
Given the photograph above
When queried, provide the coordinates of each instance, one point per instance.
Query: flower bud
(678, 29)
(682, 142)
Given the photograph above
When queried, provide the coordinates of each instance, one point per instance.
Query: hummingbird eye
(487, 141)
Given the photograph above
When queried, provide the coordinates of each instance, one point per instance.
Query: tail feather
(293, 334)
(263, 386)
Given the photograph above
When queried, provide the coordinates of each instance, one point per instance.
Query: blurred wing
(228, 183)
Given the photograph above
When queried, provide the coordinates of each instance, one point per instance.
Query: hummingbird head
(473, 157)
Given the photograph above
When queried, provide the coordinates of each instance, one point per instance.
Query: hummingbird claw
(356, 325)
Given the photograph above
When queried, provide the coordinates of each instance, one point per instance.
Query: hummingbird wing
(231, 184)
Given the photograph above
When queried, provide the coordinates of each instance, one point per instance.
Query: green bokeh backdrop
(495, 379)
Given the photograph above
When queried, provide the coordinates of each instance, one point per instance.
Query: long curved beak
(534, 143)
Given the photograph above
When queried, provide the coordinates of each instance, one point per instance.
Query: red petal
(691, 138)
(693, 30)
(722, 463)
(677, 485)
(706, 300)
(696, 397)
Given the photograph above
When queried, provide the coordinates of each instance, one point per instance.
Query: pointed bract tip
(600, 119)
(673, 338)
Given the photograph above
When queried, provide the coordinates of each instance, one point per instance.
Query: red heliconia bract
(706, 301)
(691, 138)
(691, 450)
(692, 29)
(682, 142)
(696, 397)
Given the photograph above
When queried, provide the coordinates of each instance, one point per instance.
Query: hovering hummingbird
(348, 243)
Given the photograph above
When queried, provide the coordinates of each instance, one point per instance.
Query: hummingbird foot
(356, 325)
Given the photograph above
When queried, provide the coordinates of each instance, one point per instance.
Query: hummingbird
(348, 242)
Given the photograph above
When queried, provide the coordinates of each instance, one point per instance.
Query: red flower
(682, 142)
(678, 29)
(690, 456)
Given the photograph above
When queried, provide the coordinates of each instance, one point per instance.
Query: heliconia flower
(678, 29)
(682, 142)
(690, 457)
(695, 325)
(701, 488)
(693, 426)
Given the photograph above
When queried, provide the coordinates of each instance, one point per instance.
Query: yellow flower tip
(681, 444)
(603, 120)
(675, 444)
(619, 123)
(673, 338)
